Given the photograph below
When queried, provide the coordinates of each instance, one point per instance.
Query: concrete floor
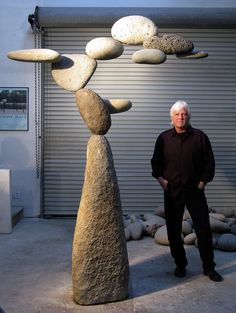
(35, 275)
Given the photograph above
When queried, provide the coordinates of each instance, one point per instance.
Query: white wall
(17, 148)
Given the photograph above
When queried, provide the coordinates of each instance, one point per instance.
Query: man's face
(180, 119)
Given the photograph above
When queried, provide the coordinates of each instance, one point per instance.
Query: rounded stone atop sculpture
(192, 55)
(104, 48)
(169, 43)
(149, 56)
(34, 55)
(73, 71)
(93, 111)
(117, 105)
(133, 29)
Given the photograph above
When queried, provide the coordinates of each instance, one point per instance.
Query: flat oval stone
(192, 55)
(169, 43)
(104, 48)
(73, 71)
(149, 56)
(93, 111)
(117, 105)
(34, 55)
(133, 29)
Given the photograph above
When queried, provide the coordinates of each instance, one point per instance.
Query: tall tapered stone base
(100, 268)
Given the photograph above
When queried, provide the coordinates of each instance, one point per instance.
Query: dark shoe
(213, 275)
(180, 271)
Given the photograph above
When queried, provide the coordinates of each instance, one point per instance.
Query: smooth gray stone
(104, 48)
(219, 226)
(73, 71)
(133, 29)
(228, 212)
(100, 267)
(136, 230)
(190, 239)
(161, 236)
(233, 229)
(149, 56)
(186, 228)
(227, 242)
(160, 221)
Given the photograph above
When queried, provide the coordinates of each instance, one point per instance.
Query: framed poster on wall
(14, 108)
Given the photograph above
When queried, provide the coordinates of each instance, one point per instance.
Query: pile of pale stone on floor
(222, 221)
(100, 268)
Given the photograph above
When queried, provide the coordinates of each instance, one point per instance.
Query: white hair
(177, 106)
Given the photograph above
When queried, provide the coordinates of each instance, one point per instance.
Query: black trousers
(195, 201)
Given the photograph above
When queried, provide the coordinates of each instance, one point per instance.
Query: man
(183, 163)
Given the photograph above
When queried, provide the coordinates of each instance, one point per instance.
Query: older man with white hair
(183, 163)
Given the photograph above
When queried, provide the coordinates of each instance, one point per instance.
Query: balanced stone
(34, 55)
(133, 29)
(227, 242)
(117, 105)
(93, 111)
(192, 55)
(100, 268)
(73, 71)
(149, 56)
(104, 48)
(169, 43)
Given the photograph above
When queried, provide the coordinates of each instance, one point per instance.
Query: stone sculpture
(100, 268)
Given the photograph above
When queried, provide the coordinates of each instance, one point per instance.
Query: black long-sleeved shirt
(183, 159)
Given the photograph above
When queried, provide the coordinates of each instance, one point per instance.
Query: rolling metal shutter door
(207, 84)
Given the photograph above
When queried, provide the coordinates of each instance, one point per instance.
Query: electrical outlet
(17, 195)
